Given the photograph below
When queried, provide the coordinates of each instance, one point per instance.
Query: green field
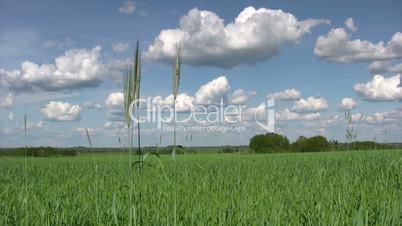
(335, 188)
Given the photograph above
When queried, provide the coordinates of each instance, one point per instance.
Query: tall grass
(127, 92)
(26, 170)
(277, 189)
(176, 83)
(95, 165)
(131, 90)
(352, 131)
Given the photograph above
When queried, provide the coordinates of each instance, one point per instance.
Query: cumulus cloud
(61, 111)
(289, 94)
(311, 104)
(348, 104)
(350, 24)
(378, 118)
(116, 128)
(127, 7)
(115, 100)
(114, 104)
(254, 36)
(210, 93)
(384, 67)
(75, 69)
(239, 96)
(288, 115)
(213, 92)
(184, 102)
(337, 46)
(380, 89)
(8, 101)
(120, 47)
(252, 113)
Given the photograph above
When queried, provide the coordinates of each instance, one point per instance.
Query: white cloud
(127, 7)
(252, 93)
(288, 115)
(77, 68)
(115, 100)
(39, 124)
(114, 104)
(396, 68)
(311, 116)
(338, 47)
(348, 104)
(213, 92)
(33, 125)
(254, 36)
(383, 67)
(91, 105)
(378, 118)
(333, 120)
(252, 113)
(61, 111)
(350, 24)
(380, 88)
(116, 128)
(120, 47)
(83, 131)
(108, 125)
(239, 96)
(11, 117)
(8, 101)
(289, 94)
(184, 102)
(58, 44)
(311, 104)
(379, 67)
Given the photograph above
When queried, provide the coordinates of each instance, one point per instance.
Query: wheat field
(334, 188)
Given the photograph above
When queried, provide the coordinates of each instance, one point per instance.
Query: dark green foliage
(312, 144)
(272, 143)
(361, 145)
(229, 149)
(269, 142)
(42, 152)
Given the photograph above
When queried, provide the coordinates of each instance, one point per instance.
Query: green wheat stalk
(96, 175)
(176, 83)
(128, 97)
(137, 80)
(26, 169)
(132, 82)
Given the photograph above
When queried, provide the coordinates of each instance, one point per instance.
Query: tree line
(272, 142)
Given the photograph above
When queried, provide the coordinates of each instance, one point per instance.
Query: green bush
(269, 142)
(312, 144)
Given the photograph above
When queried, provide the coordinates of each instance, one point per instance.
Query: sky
(62, 64)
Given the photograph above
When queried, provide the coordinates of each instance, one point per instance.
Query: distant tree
(312, 144)
(297, 145)
(269, 142)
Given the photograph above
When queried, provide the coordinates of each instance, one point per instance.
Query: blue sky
(61, 62)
